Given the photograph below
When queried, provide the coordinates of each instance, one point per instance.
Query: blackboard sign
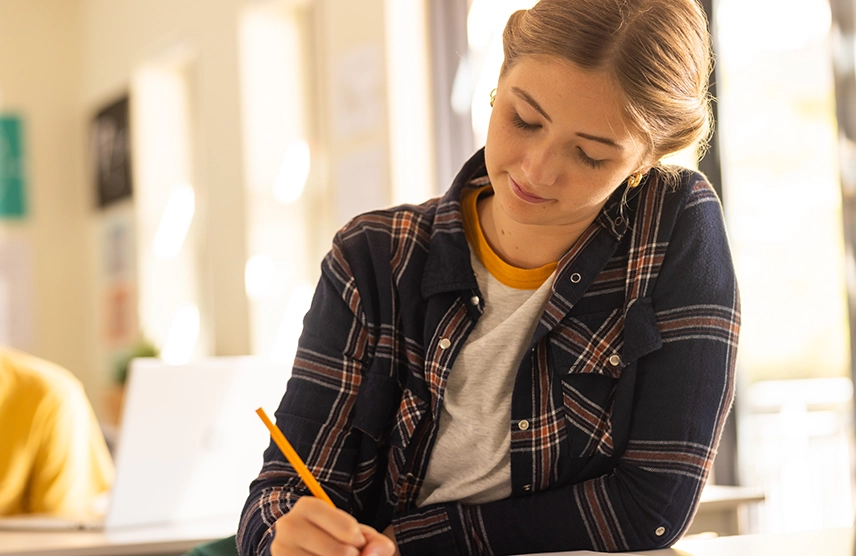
(111, 143)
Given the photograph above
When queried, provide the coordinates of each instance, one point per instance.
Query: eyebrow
(526, 97)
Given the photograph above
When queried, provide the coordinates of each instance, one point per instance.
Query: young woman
(543, 358)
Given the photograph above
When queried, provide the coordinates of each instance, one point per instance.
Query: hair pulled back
(657, 52)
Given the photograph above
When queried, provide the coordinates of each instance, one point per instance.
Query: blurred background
(172, 173)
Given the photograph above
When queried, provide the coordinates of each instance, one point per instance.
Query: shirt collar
(617, 211)
(448, 267)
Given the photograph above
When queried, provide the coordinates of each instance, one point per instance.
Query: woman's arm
(316, 410)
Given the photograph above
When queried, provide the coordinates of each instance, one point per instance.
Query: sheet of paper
(361, 183)
(16, 301)
(358, 94)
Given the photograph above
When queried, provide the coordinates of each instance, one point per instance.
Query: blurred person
(542, 359)
(53, 457)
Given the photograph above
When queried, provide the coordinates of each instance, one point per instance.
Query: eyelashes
(581, 155)
(518, 122)
(589, 161)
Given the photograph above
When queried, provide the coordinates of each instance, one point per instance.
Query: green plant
(143, 348)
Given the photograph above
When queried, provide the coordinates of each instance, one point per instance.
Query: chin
(522, 213)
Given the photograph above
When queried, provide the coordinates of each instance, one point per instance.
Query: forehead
(583, 100)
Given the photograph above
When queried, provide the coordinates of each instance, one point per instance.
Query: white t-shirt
(471, 460)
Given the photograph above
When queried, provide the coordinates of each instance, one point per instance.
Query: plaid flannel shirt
(617, 407)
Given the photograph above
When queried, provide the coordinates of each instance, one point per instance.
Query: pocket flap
(375, 406)
(588, 344)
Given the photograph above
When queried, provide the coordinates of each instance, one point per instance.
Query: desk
(166, 540)
(826, 542)
(723, 509)
(179, 539)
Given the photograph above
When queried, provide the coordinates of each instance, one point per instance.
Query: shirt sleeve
(316, 408)
(682, 395)
(72, 466)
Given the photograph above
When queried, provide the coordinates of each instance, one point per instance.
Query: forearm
(275, 493)
(632, 508)
(278, 487)
(314, 416)
(255, 532)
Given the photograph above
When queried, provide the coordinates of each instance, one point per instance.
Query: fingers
(317, 542)
(377, 544)
(314, 527)
(335, 522)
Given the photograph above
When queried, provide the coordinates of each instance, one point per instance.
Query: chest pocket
(387, 416)
(587, 354)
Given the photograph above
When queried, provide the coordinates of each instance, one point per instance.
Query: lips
(522, 194)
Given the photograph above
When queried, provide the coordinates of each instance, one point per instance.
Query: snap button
(575, 277)
(614, 360)
(474, 300)
(410, 476)
(523, 425)
(527, 487)
(445, 343)
(660, 531)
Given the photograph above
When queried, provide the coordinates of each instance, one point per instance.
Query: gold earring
(634, 180)
(492, 97)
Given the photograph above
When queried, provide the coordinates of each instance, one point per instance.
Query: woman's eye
(519, 122)
(584, 158)
(589, 161)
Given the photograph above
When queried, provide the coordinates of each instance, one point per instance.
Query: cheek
(497, 149)
(501, 145)
(607, 188)
(494, 135)
(584, 189)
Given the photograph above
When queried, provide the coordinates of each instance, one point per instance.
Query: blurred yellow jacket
(53, 457)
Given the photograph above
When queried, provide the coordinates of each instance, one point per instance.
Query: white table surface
(720, 496)
(179, 539)
(150, 541)
(825, 542)
(724, 509)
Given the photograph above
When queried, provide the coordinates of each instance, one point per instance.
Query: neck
(526, 246)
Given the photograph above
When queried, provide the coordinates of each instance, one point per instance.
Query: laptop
(189, 443)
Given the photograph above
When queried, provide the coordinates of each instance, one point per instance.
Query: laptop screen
(190, 441)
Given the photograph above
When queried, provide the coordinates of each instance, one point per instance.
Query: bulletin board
(12, 184)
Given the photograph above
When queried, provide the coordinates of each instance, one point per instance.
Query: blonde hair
(657, 51)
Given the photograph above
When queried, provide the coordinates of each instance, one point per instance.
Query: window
(166, 207)
(778, 139)
(279, 159)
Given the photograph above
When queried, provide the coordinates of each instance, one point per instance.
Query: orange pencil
(294, 459)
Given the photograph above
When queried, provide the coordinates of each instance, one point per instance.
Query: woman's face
(558, 144)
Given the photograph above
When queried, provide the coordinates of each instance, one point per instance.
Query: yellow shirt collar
(508, 275)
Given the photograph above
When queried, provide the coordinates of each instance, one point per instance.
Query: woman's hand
(390, 534)
(314, 528)
(379, 544)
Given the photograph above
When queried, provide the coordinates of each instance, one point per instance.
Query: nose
(541, 165)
